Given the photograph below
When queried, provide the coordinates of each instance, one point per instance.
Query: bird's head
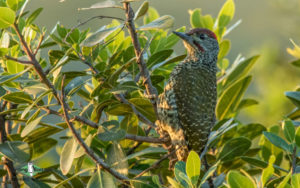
(200, 44)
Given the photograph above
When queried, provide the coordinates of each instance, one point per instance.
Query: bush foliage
(83, 93)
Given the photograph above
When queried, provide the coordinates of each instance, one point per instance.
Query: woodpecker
(186, 108)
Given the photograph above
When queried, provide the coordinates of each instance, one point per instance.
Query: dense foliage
(83, 93)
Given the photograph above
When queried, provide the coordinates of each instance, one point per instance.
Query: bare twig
(8, 164)
(156, 164)
(19, 60)
(81, 142)
(144, 139)
(150, 89)
(39, 44)
(294, 159)
(131, 150)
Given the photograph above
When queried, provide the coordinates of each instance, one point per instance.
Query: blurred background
(266, 29)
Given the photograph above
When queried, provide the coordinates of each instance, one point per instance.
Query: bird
(186, 107)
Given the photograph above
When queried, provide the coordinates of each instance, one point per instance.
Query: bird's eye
(202, 36)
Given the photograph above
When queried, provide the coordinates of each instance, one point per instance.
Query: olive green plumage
(186, 108)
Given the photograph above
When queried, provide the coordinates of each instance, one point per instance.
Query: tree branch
(81, 142)
(294, 159)
(150, 89)
(144, 139)
(39, 44)
(19, 60)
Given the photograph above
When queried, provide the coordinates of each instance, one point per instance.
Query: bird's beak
(184, 37)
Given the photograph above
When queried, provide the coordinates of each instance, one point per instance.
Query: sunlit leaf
(237, 180)
(29, 127)
(234, 148)
(269, 171)
(226, 13)
(289, 130)
(33, 16)
(294, 52)
(17, 97)
(197, 20)
(295, 180)
(224, 49)
(163, 22)
(284, 181)
(294, 96)
(180, 168)
(15, 4)
(209, 173)
(103, 4)
(193, 165)
(16, 151)
(41, 147)
(278, 141)
(67, 155)
(142, 10)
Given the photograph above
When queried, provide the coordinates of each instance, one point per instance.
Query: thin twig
(88, 20)
(156, 164)
(18, 60)
(131, 150)
(294, 159)
(122, 99)
(150, 89)
(81, 142)
(39, 44)
(144, 139)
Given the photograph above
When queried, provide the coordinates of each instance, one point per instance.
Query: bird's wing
(195, 99)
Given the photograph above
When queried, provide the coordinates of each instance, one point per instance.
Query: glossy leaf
(238, 71)
(252, 130)
(224, 49)
(246, 103)
(294, 96)
(174, 183)
(260, 163)
(104, 4)
(74, 85)
(289, 130)
(16, 151)
(7, 78)
(33, 16)
(42, 146)
(7, 17)
(99, 36)
(163, 22)
(234, 148)
(209, 173)
(30, 126)
(197, 20)
(111, 131)
(295, 180)
(180, 168)
(237, 180)
(116, 157)
(15, 4)
(269, 171)
(231, 97)
(17, 97)
(284, 181)
(226, 13)
(67, 155)
(159, 57)
(278, 141)
(142, 10)
(14, 67)
(193, 165)
(148, 150)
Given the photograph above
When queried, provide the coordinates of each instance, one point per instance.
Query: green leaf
(237, 180)
(172, 39)
(296, 63)
(99, 36)
(268, 172)
(209, 173)
(33, 16)
(67, 155)
(80, 152)
(226, 13)
(294, 96)
(152, 15)
(111, 131)
(7, 78)
(30, 126)
(7, 17)
(163, 22)
(224, 48)
(259, 163)
(40, 133)
(104, 4)
(17, 97)
(149, 150)
(198, 20)
(74, 85)
(289, 130)
(294, 52)
(145, 107)
(246, 103)
(193, 165)
(295, 180)
(230, 98)
(297, 137)
(16, 151)
(238, 71)
(278, 141)
(142, 10)
(41, 147)
(284, 181)
(234, 147)
(180, 168)
(14, 67)
(115, 156)
(15, 4)
(36, 88)
(159, 57)
(174, 183)
(252, 130)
